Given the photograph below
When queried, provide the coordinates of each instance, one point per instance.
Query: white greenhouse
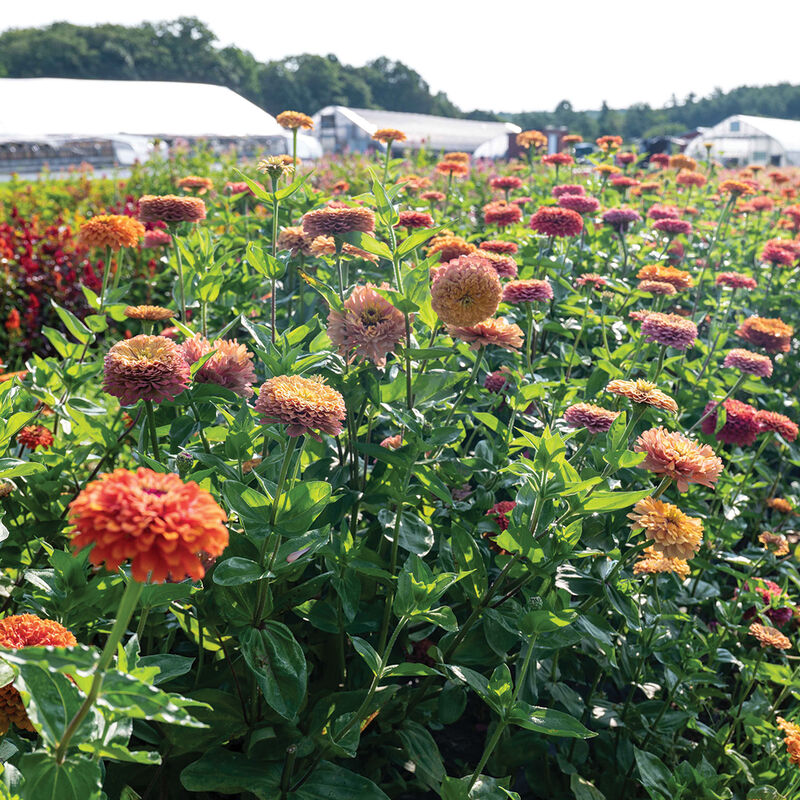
(342, 129)
(741, 139)
(63, 122)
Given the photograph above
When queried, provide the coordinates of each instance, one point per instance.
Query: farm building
(742, 139)
(341, 129)
(63, 122)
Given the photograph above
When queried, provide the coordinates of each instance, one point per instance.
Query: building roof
(785, 131)
(434, 132)
(41, 107)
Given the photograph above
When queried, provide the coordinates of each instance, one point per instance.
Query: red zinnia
(555, 221)
(33, 436)
(741, 422)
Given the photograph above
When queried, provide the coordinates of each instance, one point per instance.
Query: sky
(500, 56)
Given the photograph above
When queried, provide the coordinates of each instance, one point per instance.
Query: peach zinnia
(163, 526)
(18, 632)
(292, 120)
(595, 419)
(389, 135)
(333, 221)
(769, 637)
(368, 324)
(111, 230)
(496, 331)
(231, 366)
(676, 456)
(149, 313)
(195, 182)
(171, 208)
(774, 335)
(791, 734)
(652, 562)
(501, 213)
(642, 391)
(145, 368)
(675, 534)
(294, 239)
(679, 278)
(466, 291)
(303, 405)
(450, 248)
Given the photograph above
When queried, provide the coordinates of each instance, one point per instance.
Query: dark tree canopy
(185, 49)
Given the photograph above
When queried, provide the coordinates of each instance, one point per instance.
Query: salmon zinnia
(171, 208)
(111, 230)
(231, 366)
(507, 335)
(642, 391)
(163, 526)
(676, 456)
(466, 291)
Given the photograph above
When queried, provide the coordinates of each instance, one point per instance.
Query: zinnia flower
(556, 221)
(621, 218)
(658, 211)
(673, 227)
(505, 183)
(294, 239)
(791, 739)
(735, 280)
(642, 391)
(454, 168)
(769, 637)
(389, 135)
(690, 178)
(111, 230)
(751, 363)
(558, 160)
(156, 238)
(368, 324)
(450, 248)
(591, 279)
(674, 533)
(657, 287)
(171, 208)
(679, 278)
(495, 331)
(501, 213)
(293, 120)
(17, 632)
(466, 291)
(276, 167)
(333, 221)
(680, 161)
(500, 512)
(527, 291)
(741, 422)
(149, 313)
(652, 562)
(161, 524)
(669, 330)
(33, 436)
(304, 405)
(574, 189)
(581, 204)
(457, 156)
(499, 247)
(195, 182)
(595, 419)
(780, 505)
(496, 381)
(774, 335)
(773, 421)
(775, 543)
(231, 366)
(145, 368)
(326, 246)
(531, 139)
(678, 457)
(736, 188)
(414, 219)
(504, 266)
(609, 142)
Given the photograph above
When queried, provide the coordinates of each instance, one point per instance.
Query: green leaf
(366, 242)
(16, 467)
(277, 661)
(78, 778)
(423, 752)
(543, 621)
(653, 772)
(612, 501)
(251, 505)
(301, 505)
(548, 721)
(367, 652)
(73, 324)
(332, 782)
(226, 772)
(263, 262)
(485, 788)
(416, 239)
(236, 571)
(583, 790)
(118, 752)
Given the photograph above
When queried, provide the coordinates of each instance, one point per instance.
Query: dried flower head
(294, 120)
(652, 562)
(528, 291)
(160, 524)
(111, 230)
(642, 391)
(751, 363)
(674, 455)
(769, 637)
(149, 313)
(775, 543)
(367, 327)
(171, 208)
(669, 330)
(33, 436)
(774, 335)
(466, 291)
(333, 221)
(674, 533)
(145, 368)
(304, 405)
(595, 419)
(495, 331)
(231, 366)
(17, 632)
(557, 221)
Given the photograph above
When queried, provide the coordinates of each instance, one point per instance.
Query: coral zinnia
(751, 363)
(498, 246)
(145, 368)
(149, 313)
(591, 279)
(171, 208)
(595, 419)
(642, 391)
(678, 457)
(231, 366)
(505, 182)
(651, 562)
(791, 739)
(568, 188)
(558, 160)
(304, 405)
(195, 182)
(673, 227)
(17, 632)
(292, 120)
(556, 221)
(781, 505)
(534, 139)
(658, 211)
(161, 524)
(735, 280)
(527, 291)
(773, 421)
(501, 213)
(33, 436)
(669, 330)
(466, 291)
(736, 188)
(674, 533)
(389, 135)
(393, 442)
(111, 230)
(741, 422)
(774, 335)
(769, 637)
(414, 219)
(450, 248)
(495, 331)
(333, 221)
(454, 168)
(368, 324)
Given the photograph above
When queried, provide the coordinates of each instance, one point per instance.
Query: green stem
(181, 292)
(106, 273)
(273, 299)
(151, 424)
(739, 381)
(118, 272)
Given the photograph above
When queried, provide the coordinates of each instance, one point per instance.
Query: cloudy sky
(503, 56)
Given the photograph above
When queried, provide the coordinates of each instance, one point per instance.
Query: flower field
(401, 478)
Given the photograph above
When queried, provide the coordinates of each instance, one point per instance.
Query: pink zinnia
(741, 422)
(669, 330)
(499, 513)
(751, 363)
(499, 246)
(658, 212)
(582, 204)
(231, 366)
(773, 421)
(596, 281)
(673, 227)
(555, 221)
(568, 188)
(621, 218)
(595, 419)
(527, 291)
(672, 454)
(157, 238)
(735, 280)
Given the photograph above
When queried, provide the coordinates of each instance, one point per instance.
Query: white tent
(743, 139)
(131, 112)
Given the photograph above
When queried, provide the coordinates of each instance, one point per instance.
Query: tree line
(185, 49)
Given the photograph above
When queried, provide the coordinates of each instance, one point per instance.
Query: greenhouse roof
(785, 131)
